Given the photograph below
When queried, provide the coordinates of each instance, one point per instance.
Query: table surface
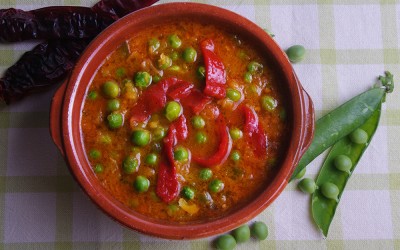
(349, 43)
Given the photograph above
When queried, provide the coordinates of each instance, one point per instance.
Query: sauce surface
(249, 115)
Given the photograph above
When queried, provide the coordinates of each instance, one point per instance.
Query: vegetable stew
(185, 122)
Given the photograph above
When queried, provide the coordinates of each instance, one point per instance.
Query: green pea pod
(323, 209)
(344, 119)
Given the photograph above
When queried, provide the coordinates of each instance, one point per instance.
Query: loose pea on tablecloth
(349, 43)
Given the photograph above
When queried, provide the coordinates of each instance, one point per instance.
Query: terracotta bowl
(68, 103)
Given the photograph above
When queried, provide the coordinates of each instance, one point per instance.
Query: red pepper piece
(196, 101)
(215, 71)
(167, 182)
(181, 128)
(180, 90)
(169, 144)
(224, 147)
(254, 132)
(189, 96)
(157, 95)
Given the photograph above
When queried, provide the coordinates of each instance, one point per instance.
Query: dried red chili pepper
(121, 8)
(224, 148)
(50, 62)
(254, 132)
(215, 71)
(52, 23)
(46, 64)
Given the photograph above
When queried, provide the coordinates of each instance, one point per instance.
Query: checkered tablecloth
(349, 43)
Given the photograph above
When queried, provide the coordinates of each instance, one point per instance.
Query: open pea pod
(345, 119)
(323, 209)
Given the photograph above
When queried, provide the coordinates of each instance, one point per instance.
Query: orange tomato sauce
(243, 179)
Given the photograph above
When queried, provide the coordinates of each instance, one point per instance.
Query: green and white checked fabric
(349, 43)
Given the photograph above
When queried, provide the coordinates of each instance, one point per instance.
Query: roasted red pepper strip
(254, 132)
(180, 90)
(157, 95)
(224, 147)
(181, 128)
(167, 182)
(215, 71)
(189, 96)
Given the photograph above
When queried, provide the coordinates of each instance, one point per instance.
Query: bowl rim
(119, 212)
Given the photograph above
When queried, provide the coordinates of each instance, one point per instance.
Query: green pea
(174, 56)
(296, 53)
(188, 193)
(175, 68)
(343, 163)
(201, 72)
(172, 209)
(154, 45)
(359, 136)
(115, 120)
(120, 72)
(268, 103)
(233, 94)
(235, 133)
(151, 159)
(140, 137)
(110, 89)
(198, 122)
(142, 79)
(225, 242)
(92, 95)
(173, 110)
(216, 186)
(307, 185)
(235, 155)
(248, 77)
(106, 139)
(95, 154)
(156, 78)
(330, 190)
(181, 154)
(164, 62)
(254, 67)
(113, 105)
(159, 133)
(130, 164)
(205, 174)
(189, 55)
(98, 168)
(259, 230)
(241, 234)
(141, 184)
(201, 137)
(174, 41)
(301, 174)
